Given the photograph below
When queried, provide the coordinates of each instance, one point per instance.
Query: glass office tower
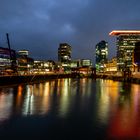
(101, 55)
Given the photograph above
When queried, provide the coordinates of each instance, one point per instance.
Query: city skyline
(40, 26)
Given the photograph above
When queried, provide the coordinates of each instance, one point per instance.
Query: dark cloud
(40, 25)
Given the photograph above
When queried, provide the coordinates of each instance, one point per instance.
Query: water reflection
(65, 98)
(107, 93)
(104, 106)
(6, 103)
(37, 99)
(126, 118)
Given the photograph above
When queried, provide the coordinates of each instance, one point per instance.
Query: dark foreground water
(70, 109)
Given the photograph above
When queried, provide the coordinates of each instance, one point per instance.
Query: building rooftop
(118, 32)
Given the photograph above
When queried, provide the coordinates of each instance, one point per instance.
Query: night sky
(40, 25)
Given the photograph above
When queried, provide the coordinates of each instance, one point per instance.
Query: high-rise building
(64, 54)
(137, 57)
(101, 55)
(126, 40)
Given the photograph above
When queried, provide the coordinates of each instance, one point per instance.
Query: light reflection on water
(107, 98)
(6, 103)
(109, 106)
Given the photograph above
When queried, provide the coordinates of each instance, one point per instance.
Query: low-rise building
(8, 61)
(25, 63)
(43, 67)
(111, 65)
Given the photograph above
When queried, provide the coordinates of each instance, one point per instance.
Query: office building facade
(7, 59)
(25, 63)
(126, 40)
(64, 55)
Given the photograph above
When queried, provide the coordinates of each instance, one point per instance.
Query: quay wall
(120, 78)
(17, 79)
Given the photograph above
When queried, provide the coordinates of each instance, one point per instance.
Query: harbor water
(70, 109)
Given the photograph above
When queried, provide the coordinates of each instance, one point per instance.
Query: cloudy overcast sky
(40, 25)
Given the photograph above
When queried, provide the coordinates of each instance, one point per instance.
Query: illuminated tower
(101, 55)
(126, 40)
(64, 54)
